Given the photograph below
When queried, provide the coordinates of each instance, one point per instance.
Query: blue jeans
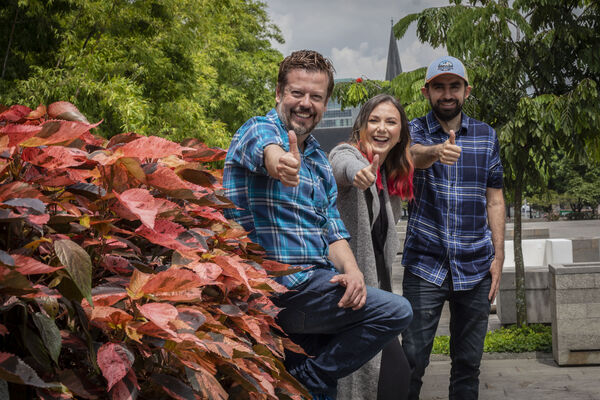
(469, 313)
(339, 340)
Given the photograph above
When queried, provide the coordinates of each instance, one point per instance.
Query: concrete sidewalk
(527, 376)
(520, 378)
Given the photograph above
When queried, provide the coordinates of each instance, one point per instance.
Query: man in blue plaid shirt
(454, 248)
(282, 183)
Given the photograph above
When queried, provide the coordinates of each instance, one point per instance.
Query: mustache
(301, 109)
(447, 101)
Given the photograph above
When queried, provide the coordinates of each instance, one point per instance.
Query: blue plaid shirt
(447, 225)
(295, 225)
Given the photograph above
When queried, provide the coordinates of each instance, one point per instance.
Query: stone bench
(575, 309)
(537, 254)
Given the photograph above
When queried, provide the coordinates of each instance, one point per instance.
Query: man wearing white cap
(454, 248)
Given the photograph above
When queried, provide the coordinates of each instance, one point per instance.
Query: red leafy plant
(119, 276)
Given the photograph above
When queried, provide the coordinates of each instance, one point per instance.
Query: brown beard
(445, 115)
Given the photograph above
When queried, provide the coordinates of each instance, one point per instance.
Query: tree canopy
(177, 68)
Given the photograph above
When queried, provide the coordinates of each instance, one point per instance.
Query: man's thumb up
(293, 144)
(452, 138)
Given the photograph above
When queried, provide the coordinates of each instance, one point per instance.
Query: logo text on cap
(445, 66)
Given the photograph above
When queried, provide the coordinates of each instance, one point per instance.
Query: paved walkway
(527, 379)
(518, 376)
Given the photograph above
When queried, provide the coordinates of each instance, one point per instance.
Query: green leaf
(50, 334)
(78, 264)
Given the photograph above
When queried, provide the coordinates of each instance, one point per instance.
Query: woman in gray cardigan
(374, 173)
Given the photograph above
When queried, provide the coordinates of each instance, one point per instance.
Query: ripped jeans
(469, 312)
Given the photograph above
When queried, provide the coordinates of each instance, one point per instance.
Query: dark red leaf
(172, 280)
(193, 317)
(141, 203)
(30, 266)
(172, 235)
(19, 133)
(19, 190)
(116, 264)
(206, 384)
(122, 139)
(198, 177)
(160, 314)
(65, 110)
(35, 205)
(174, 387)
(53, 157)
(151, 147)
(59, 177)
(38, 113)
(168, 181)
(107, 295)
(114, 361)
(58, 131)
(127, 388)
(208, 213)
(78, 384)
(15, 113)
(111, 315)
(3, 330)
(201, 152)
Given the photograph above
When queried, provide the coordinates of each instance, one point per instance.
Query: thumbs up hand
(449, 151)
(367, 176)
(284, 165)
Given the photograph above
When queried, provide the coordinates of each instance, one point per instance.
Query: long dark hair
(398, 164)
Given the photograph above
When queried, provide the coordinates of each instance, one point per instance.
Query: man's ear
(278, 93)
(467, 91)
(425, 92)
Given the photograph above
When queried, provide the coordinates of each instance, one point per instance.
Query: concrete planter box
(586, 250)
(575, 308)
(536, 295)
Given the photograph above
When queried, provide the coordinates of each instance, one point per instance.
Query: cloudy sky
(354, 34)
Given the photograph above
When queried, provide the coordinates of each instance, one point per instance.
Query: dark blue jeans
(339, 340)
(469, 312)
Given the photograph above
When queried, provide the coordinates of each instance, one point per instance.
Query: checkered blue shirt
(295, 225)
(447, 225)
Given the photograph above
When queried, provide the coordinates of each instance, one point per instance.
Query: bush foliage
(119, 276)
(512, 339)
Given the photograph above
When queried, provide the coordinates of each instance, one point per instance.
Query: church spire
(393, 68)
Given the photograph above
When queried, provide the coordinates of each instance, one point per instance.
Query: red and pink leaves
(115, 361)
(136, 228)
(140, 203)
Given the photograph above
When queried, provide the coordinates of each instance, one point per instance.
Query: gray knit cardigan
(346, 160)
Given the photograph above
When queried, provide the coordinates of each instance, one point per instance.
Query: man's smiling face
(303, 100)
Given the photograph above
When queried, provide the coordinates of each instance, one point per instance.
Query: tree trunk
(10, 38)
(520, 301)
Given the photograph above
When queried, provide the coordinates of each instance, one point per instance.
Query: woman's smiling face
(383, 129)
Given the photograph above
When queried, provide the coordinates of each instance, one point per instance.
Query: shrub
(512, 339)
(119, 276)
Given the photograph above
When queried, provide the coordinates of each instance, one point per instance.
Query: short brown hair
(308, 60)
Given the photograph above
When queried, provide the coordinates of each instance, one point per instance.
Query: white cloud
(354, 34)
(354, 63)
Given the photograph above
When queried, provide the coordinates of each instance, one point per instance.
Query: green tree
(578, 183)
(177, 68)
(535, 66)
